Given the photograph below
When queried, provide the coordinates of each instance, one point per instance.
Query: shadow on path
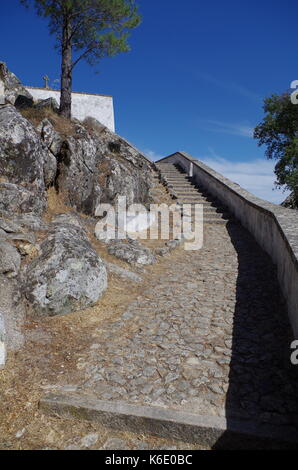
(263, 385)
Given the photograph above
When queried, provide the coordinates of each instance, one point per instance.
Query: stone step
(189, 193)
(177, 179)
(194, 200)
(183, 189)
(214, 215)
(185, 185)
(216, 221)
(174, 173)
(165, 165)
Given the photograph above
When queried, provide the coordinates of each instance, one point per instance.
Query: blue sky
(194, 80)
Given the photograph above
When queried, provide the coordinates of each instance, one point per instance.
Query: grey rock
(49, 103)
(18, 225)
(70, 218)
(115, 444)
(50, 169)
(78, 160)
(132, 252)
(24, 237)
(15, 199)
(13, 88)
(9, 226)
(68, 276)
(13, 312)
(50, 136)
(89, 440)
(29, 222)
(104, 166)
(22, 160)
(172, 244)
(10, 259)
(162, 251)
(20, 433)
(169, 246)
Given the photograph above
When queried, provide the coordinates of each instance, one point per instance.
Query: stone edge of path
(215, 432)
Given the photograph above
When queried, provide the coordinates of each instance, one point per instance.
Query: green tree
(86, 29)
(279, 132)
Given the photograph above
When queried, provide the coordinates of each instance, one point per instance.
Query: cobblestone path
(209, 335)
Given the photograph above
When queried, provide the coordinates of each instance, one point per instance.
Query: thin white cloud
(256, 176)
(230, 86)
(239, 129)
(152, 155)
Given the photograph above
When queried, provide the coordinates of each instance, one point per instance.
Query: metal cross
(46, 79)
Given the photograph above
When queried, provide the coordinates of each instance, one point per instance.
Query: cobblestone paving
(210, 335)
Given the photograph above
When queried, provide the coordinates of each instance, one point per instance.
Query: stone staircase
(185, 191)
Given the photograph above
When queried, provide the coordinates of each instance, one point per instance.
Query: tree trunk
(66, 71)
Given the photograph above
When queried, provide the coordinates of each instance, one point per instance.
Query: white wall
(83, 105)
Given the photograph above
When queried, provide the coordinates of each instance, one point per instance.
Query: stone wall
(84, 105)
(274, 227)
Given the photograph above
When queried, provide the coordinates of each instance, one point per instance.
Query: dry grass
(56, 205)
(65, 127)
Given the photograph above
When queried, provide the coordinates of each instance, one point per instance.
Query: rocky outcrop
(100, 163)
(22, 161)
(123, 170)
(15, 93)
(290, 202)
(68, 276)
(77, 168)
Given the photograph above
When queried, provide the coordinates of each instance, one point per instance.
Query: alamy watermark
(294, 94)
(294, 355)
(160, 221)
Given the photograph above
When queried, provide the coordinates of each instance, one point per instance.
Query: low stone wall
(274, 227)
(84, 105)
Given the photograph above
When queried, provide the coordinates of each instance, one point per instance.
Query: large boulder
(15, 93)
(68, 276)
(22, 160)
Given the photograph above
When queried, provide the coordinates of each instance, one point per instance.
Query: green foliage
(99, 28)
(279, 132)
